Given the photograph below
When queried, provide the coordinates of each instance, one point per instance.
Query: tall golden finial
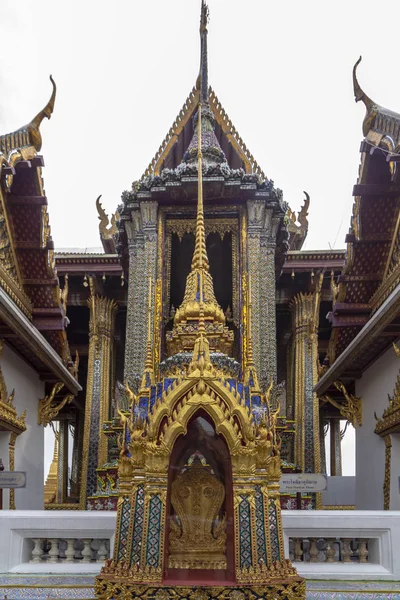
(250, 376)
(148, 373)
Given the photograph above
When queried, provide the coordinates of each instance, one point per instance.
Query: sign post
(302, 482)
(10, 480)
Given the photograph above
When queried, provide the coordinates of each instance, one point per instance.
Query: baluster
(313, 550)
(45, 547)
(291, 549)
(298, 551)
(346, 550)
(62, 546)
(70, 552)
(330, 551)
(87, 551)
(79, 548)
(362, 551)
(53, 552)
(37, 550)
(102, 552)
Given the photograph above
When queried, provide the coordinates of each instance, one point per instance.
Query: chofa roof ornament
(359, 94)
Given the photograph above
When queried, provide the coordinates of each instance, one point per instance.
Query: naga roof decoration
(28, 135)
(377, 118)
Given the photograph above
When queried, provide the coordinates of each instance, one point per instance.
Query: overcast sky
(282, 71)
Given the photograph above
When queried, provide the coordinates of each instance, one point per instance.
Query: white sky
(282, 71)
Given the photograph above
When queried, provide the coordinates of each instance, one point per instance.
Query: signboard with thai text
(303, 482)
(12, 479)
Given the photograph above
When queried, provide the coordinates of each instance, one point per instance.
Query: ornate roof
(372, 267)
(27, 267)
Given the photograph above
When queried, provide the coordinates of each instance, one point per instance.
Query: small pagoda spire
(200, 258)
(199, 302)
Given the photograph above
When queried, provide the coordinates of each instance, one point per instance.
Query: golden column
(305, 319)
(98, 389)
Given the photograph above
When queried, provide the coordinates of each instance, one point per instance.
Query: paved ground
(49, 587)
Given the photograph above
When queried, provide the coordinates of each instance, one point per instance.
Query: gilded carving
(106, 230)
(197, 536)
(48, 408)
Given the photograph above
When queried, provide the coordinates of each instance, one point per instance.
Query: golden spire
(250, 376)
(200, 258)
(199, 303)
(148, 373)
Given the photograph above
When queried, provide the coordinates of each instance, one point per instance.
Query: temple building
(201, 349)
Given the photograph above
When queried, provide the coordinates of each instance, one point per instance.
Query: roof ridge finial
(34, 126)
(203, 75)
(370, 105)
(359, 93)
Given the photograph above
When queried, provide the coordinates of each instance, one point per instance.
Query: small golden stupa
(199, 514)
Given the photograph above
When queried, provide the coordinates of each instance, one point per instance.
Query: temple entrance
(199, 532)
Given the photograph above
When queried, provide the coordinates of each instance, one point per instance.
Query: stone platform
(49, 587)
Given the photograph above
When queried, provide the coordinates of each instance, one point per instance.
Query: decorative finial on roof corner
(359, 94)
(34, 126)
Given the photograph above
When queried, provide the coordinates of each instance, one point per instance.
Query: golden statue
(197, 538)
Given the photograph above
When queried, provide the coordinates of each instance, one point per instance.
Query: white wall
(29, 447)
(376, 383)
(340, 491)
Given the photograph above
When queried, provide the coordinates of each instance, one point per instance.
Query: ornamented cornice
(220, 226)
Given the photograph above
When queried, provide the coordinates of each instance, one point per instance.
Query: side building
(37, 374)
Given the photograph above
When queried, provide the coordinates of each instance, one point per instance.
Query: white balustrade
(330, 550)
(69, 550)
(358, 545)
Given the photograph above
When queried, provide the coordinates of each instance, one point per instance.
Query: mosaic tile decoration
(260, 529)
(124, 528)
(153, 534)
(245, 534)
(138, 527)
(273, 531)
(45, 587)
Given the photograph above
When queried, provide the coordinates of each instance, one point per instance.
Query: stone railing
(331, 550)
(322, 544)
(335, 544)
(36, 541)
(69, 550)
